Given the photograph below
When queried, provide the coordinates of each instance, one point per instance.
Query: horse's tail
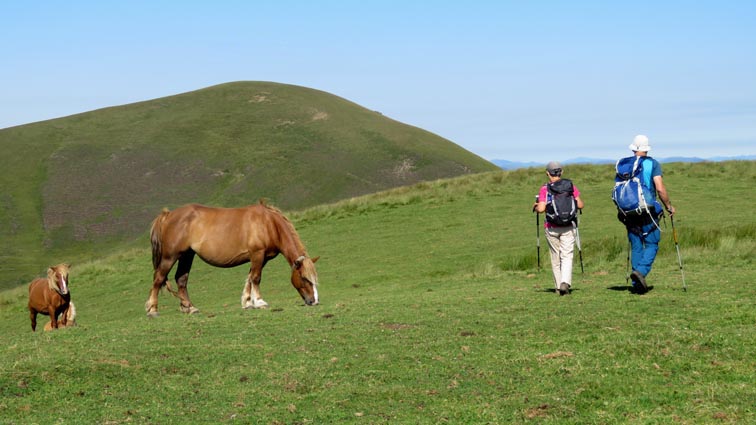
(156, 233)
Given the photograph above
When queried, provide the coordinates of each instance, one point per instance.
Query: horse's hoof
(189, 310)
(153, 314)
(256, 304)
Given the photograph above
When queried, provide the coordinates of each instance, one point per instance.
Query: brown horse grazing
(227, 237)
(50, 296)
(70, 316)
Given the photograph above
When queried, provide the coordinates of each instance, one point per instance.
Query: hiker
(560, 200)
(642, 224)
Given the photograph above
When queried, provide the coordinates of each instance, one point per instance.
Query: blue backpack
(632, 198)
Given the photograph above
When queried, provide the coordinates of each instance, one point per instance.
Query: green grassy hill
(431, 311)
(79, 184)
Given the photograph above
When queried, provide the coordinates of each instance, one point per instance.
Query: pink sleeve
(575, 191)
(542, 194)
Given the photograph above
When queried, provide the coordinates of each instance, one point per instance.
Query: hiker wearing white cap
(642, 223)
(560, 200)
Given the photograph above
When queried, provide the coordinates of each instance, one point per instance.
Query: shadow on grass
(553, 290)
(630, 289)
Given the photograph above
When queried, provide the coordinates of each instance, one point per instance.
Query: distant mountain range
(513, 165)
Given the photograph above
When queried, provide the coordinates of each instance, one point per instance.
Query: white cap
(640, 144)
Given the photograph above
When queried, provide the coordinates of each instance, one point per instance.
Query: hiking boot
(639, 282)
(564, 289)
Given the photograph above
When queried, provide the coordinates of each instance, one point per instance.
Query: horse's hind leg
(159, 278)
(251, 297)
(182, 279)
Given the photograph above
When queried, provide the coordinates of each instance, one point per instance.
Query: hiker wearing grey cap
(560, 200)
(642, 223)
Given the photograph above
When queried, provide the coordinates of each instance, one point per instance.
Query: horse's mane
(286, 222)
(60, 268)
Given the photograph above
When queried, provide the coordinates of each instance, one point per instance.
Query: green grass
(78, 185)
(431, 311)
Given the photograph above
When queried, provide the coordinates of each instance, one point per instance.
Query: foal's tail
(156, 233)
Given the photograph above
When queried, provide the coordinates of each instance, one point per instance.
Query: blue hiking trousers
(644, 245)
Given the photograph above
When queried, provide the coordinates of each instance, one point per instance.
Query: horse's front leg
(53, 317)
(251, 297)
(33, 317)
(64, 317)
(182, 280)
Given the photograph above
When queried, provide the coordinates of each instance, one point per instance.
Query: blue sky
(516, 80)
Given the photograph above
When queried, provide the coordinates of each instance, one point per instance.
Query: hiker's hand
(535, 204)
(671, 210)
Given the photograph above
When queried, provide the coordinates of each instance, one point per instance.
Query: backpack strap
(647, 182)
(637, 163)
(646, 179)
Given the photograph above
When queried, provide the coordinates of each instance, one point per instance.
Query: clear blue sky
(517, 80)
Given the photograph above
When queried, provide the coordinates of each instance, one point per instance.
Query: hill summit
(101, 176)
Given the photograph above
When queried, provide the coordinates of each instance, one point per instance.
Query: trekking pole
(577, 240)
(538, 234)
(677, 247)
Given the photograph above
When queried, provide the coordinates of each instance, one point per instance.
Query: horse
(70, 315)
(50, 296)
(227, 237)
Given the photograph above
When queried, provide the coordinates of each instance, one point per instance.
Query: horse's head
(57, 278)
(304, 277)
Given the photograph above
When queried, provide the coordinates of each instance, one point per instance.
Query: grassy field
(431, 312)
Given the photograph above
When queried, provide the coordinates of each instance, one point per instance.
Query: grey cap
(553, 166)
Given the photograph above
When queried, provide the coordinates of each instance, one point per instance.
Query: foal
(50, 296)
(70, 318)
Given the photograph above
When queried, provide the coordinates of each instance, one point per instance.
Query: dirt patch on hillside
(404, 170)
(260, 98)
(320, 116)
